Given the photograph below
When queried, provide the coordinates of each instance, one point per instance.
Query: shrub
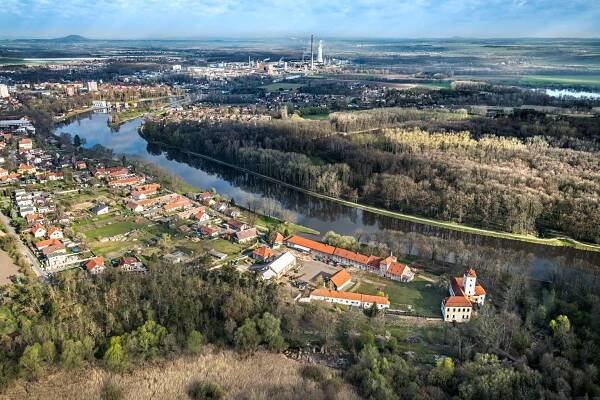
(313, 373)
(111, 391)
(205, 391)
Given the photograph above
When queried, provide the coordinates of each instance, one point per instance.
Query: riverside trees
(514, 184)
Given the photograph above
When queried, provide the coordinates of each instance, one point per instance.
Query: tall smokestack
(312, 54)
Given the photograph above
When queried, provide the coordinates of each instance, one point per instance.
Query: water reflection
(312, 212)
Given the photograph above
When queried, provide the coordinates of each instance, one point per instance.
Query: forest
(537, 340)
(522, 184)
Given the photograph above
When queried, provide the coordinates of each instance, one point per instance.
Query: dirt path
(7, 268)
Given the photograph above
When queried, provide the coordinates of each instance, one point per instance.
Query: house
(176, 257)
(80, 165)
(60, 260)
(349, 258)
(280, 266)
(95, 265)
(120, 182)
(349, 299)
(341, 280)
(58, 247)
(26, 169)
(396, 271)
(189, 212)
(456, 309)
(38, 231)
(233, 213)
(25, 211)
(178, 203)
(204, 197)
(277, 241)
(55, 176)
(34, 218)
(246, 235)
(237, 225)
(468, 286)
(464, 293)
(131, 264)
(263, 254)
(42, 244)
(54, 232)
(201, 216)
(134, 206)
(209, 232)
(217, 254)
(100, 209)
(143, 191)
(310, 246)
(221, 207)
(3, 173)
(25, 144)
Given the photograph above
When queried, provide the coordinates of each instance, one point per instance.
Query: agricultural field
(563, 80)
(422, 294)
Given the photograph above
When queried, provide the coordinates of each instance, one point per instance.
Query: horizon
(201, 19)
(295, 37)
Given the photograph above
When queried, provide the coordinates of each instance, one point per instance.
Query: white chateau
(465, 292)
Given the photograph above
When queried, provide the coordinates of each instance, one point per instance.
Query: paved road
(25, 251)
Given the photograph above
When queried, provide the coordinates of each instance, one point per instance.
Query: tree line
(503, 183)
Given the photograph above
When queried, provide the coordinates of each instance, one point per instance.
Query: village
(72, 211)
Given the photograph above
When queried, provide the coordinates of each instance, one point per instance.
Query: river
(319, 214)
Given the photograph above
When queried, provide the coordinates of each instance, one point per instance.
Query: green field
(565, 80)
(435, 85)
(422, 295)
(223, 246)
(116, 228)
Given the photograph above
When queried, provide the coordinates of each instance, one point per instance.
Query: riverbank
(555, 242)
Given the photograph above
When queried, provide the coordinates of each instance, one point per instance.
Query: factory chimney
(312, 54)
(320, 52)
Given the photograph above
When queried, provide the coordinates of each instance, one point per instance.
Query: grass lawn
(113, 249)
(223, 246)
(421, 294)
(116, 228)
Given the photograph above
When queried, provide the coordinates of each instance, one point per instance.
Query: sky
(138, 19)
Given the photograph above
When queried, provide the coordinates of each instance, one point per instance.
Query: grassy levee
(557, 241)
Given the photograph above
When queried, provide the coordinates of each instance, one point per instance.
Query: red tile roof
(340, 278)
(352, 256)
(457, 301)
(350, 296)
(94, 262)
(263, 252)
(247, 234)
(45, 243)
(311, 244)
(278, 238)
(396, 268)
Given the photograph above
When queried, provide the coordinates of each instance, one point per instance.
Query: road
(25, 251)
